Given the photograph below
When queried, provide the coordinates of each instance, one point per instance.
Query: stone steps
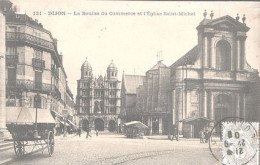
(5, 145)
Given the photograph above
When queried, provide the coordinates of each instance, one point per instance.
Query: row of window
(87, 110)
(13, 50)
(17, 101)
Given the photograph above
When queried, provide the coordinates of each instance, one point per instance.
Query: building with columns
(33, 66)
(213, 80)
(98, 99)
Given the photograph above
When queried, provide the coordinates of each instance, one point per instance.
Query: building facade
(213, 80)
(34, 66)
(98, 99)
(129, 106)
(146, 98)
(153, 99)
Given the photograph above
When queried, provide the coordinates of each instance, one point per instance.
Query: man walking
(79, 132)
(175, 133)
(96, 132)
(202, 136)
(206, 134)
(88, 132)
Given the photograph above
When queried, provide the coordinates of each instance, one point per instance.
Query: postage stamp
(240, 141)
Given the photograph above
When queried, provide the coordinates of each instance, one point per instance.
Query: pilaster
(4, 7)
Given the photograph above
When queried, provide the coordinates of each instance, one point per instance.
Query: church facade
(213, 80)
(98, 99)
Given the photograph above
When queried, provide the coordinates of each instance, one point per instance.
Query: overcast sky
(133, 41)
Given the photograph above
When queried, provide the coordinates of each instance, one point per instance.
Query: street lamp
(37, 101)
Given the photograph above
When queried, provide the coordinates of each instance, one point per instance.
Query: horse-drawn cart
(32, 130)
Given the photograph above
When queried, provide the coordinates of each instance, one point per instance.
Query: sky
(132, 42)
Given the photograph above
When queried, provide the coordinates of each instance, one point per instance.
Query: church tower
(112, 71)
(98, 99)
(86, 70)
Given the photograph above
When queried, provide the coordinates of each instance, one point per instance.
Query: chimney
(55, 42)
(61, 57)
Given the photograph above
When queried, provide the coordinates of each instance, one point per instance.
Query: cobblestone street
(116, 149)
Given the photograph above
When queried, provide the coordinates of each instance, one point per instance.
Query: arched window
(223, 55)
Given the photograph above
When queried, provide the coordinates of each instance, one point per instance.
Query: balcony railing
(38, 63)
(11, 60)
(33, 86)
(30, 39)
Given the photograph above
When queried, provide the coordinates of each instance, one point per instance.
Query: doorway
(112, 126)
(99, 124)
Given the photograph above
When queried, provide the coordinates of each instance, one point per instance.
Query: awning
(72, 123)
(137, 124)
(23, 115)
(57, 113)
(196, 119)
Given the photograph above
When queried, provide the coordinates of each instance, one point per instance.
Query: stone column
(212, 111)
(201, 102)
(188, 105)
(205, 51)
(238, 54)
(243, 55)
(213, 54)
(237, 106)
(205, 102)
(243, 114)
(160, 125)
(173, 107)
(2, 75)
(209, 50)
(5, 5)
(212, 115)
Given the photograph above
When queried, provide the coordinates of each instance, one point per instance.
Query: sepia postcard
(129, 82)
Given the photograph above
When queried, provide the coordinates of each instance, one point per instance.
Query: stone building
(145, 98)
(34, 66)
(130, 111)
(153, 99)
(213, 80)
(98, 99)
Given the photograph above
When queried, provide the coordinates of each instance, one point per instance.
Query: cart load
(31, 129)
(134, 129)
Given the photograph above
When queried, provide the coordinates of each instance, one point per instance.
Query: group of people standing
(204, 136)
(88, 130)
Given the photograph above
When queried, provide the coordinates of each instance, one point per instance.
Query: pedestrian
(88, 132)
(96, 132)
(79, 132)
(202, 136)
(175, 133)
(206, 134)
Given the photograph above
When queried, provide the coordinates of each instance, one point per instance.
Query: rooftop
(131, 82)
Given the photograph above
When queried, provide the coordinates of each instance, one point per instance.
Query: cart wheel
(50, 143)
(19, 148)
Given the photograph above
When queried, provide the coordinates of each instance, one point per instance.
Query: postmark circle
(237, 144)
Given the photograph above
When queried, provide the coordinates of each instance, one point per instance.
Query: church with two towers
(98, 98)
